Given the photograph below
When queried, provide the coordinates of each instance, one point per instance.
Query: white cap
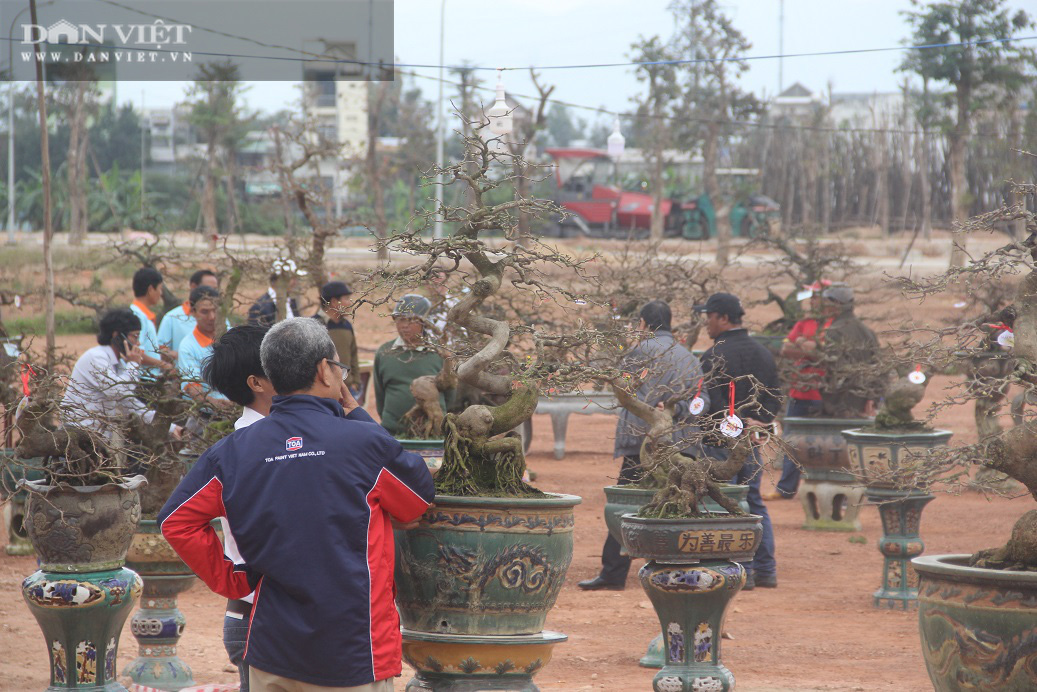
(283, 265)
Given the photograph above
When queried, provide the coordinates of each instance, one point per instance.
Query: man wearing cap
(263, 312)
(669, 372)
(801, 345)
(399, 362)
(737, 357)
(334, 302)
(850, 355)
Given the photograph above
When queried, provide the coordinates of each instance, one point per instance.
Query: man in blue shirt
(197, 347)
(179, 322)
(147, 293)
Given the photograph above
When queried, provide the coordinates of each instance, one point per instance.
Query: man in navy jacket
(309, 493)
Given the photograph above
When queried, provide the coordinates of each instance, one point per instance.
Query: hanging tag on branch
(804, 294)
(1006, 339)
(732, 425)
(916, 376)
(697, 403)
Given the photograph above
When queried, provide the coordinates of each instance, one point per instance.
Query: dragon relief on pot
(981, 660)
(516, 567)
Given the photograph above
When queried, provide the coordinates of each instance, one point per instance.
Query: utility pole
(438, 230)
(143, 119)
(781, 45)
(48, 229)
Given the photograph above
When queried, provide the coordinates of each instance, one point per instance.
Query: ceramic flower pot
(430, 450)
(977, 625)
(691, 577)
(880, 457)
(482, 568)
(627, 499)
(830, 493)
(82, 594)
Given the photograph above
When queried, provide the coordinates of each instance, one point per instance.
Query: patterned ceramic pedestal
(690, 578)
(157, 627)
(831, 500)
(159, 623)
(17, 540)
(471, 663)
(81, 616)
(11, 471)
(830, 495)
(627, 499)
(901, 512)
(978, 626)
(82, 594)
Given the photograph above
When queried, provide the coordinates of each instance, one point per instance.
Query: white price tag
(960, 304)
(1006, 339)
(916, 377)
(732, 426)
(18, 302)
(12, 350)
(804, 294)
(697, 404)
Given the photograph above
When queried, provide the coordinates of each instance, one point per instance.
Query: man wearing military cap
(334, 302)
(399, 362)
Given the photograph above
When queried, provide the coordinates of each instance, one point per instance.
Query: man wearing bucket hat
(850, 353)
(739, 362)
(801, 346)
(263, 312)
(399, 362)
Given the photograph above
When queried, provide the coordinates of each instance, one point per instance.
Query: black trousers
(614, 567)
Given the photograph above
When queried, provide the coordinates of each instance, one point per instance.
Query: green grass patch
(64, 323)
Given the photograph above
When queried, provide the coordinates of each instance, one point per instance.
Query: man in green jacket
(402, 360)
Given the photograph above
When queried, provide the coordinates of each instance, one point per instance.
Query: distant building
(171, 135)
(796, 104)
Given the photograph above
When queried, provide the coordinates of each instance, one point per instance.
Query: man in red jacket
(309, 492)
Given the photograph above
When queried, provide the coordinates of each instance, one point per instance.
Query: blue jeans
(235, 634)
(763, 563)
(788, 484)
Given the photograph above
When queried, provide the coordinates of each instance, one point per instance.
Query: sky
(520, 33)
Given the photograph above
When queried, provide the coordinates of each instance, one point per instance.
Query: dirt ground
(817, 631)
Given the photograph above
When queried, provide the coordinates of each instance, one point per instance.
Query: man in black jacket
(737, 357)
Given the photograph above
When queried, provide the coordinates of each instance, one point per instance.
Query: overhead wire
(402, 68)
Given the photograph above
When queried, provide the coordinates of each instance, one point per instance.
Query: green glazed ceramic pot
(877, 456)
(483, 565)
(691, 578)
(977, 625)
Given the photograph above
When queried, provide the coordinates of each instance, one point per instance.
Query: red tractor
(599, 208)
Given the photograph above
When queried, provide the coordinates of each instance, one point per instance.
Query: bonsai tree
(495, 351)
(1012, 452)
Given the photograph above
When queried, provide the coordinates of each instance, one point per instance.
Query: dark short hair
(121, 321)
(196, 278)
(291, 352)
(235, 356)
(656, 315)
(145, 278)
(203, 293)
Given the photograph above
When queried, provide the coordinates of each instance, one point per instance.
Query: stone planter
(430, 450)
(159, 623)
(977, 625)
(876, 456)
(82, 594)
(690, 577)
(830, 493)
(488, 568)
